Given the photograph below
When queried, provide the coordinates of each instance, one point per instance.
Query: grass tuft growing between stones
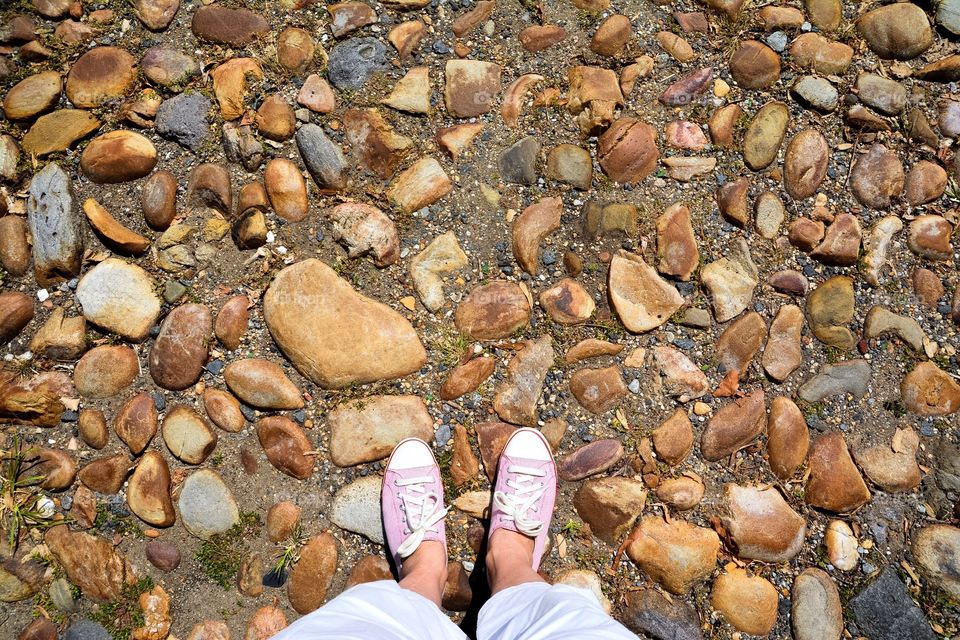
(220, 556)
(121, 616)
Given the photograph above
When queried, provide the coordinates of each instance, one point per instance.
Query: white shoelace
(525, 495)
(423, 512)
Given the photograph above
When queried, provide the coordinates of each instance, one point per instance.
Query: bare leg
(425, 571)
(509, 559)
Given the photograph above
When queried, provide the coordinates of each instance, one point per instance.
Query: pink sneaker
(411, 500)
(525, 489)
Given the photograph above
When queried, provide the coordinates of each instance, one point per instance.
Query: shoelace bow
(525, 495)
(423, 512)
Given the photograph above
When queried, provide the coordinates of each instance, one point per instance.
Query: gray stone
(948, 15)
(168, 67)
(323, 158)
(86, 630)
(884, 611)
(353, 61)
(54, 225)
(356, 508)
(649, 612)
(518, 164)
(61, 596)
(851, 377)
(241, 146)
(206, 505)
(183, 119)
(883, 94)
(816, 92)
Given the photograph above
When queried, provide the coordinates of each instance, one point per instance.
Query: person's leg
(523, 605)
(413, 512)
(382, 610)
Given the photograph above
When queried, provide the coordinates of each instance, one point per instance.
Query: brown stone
(841, 242)
(106, 475)
(118, 156)
(180, 350)
(567, 303)
(222, 25)
(686, 89)
(369, 432)
(471, 87)
(148, 492)
(590, 459)
(926, 284)
(612, 36)
(316, 95)
(406, 36)
(929, 391)
(467, 22)
(230, 84)
(783, 353)
(419, 186)
(464, 465)
(892, 467)
(591, 348)
(925, 182)
(761, 524)
(877, 177)
(369, 569)
(642, 299)
(262, 383)
(136, 422)
(16, 312)
(673, 439)
(467, 377)
(749, 603)
(805, 163)
(312, 575)
(14, 247)
(901, 32)
(723, 125)
(733, 198)
(929, 236)
(675, 554)
(223, 410)
(377, 146)
(676, 243)
(492, 438)
(159, 199)
(516, 397)
(740, 341)
(754, 65)
(90, 562)
(538, 38)
(112, 231)
(814, 51)
(610, 506)
(58, 131)
(32, 96)
(679, 375)
(681, 493)
(282, 520)
(93, 428)
(598, 390)
(734, 426)
(286, 446)
(627, 151)
(275, 119)
(834, 484)
(805, 234)
(105, 371)
(530, 227)
(99, 75)
(493, 311)
(295, 49)
(286, 189)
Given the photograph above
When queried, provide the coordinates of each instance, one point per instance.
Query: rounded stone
(754, 65)
(182, 347)
(99, 75)
(105, 371)
(118, 156)
(206, 504)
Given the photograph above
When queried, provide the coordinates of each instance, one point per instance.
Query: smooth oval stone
(232, 321)
(32, 96)
(286, 189)
(754, 65)
(56, 468)
(805, 164)
(221, 25)
(209, 185)
(816, 612)
(590, 459)
(163, 555)
(55, 226)
(148, 492)
(734, 426)
(182, 347)
(93, 428)
(106, 475)
(312, 575)
(16, 312)
(118, 156)
(899, 31)
(99, 75)
(120, 297)
(206, 505)
(14, 247)
(105, 371)
(765, 135)
(371, 431)
(136, 422)
(223, 410)
(187, 435)
(159, 200)
(286, 445)
(262, 384)
(788, 438)
(282, 519)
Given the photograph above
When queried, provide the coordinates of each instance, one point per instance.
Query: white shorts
(385, 611)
